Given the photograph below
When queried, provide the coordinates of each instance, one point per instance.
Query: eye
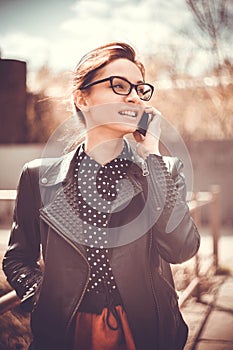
(118, 86)
(141, 89)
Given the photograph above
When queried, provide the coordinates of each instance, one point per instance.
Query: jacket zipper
(151, 280)
(145, 170)
(89, 271)
(150, 276)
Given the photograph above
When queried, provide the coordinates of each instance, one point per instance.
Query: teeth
(129, 113)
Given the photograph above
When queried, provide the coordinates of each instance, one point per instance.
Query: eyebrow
(138, 82)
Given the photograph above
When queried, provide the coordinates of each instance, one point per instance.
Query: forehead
(121, 67)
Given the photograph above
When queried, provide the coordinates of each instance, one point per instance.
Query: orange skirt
(93, 333)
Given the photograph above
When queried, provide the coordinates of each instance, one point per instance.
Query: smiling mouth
(128, 113)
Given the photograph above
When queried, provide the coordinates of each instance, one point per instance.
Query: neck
(103, 150)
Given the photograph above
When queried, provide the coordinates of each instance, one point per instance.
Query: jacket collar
(59, 170)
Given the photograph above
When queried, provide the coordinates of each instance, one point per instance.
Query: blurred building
(13, 101)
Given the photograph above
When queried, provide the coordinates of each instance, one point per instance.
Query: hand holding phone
(143, 123)
(149, 144)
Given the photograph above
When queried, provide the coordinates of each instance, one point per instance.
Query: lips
(129, 113)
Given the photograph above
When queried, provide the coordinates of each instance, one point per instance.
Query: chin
(126, 128)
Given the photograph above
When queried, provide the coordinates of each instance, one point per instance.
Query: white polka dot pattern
(97, 188)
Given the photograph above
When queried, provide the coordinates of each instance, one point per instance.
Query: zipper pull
(145, 170)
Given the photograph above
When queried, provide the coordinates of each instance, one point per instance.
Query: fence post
(197, 219)
(215, 222)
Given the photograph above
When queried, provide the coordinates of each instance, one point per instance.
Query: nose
(133, 97)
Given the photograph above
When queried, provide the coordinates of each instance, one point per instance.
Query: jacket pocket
(172, 328)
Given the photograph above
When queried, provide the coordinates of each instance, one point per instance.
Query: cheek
(103, 113)
(106, 96)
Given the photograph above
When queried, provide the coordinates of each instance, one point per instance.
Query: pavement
(210, 319)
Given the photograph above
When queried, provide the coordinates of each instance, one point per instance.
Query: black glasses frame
(132, 86)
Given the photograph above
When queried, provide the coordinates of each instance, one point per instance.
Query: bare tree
(214, 19)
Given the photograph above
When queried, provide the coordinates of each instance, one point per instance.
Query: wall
(12, 158)
(13, 101)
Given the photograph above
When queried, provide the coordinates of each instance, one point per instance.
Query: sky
(59, 32)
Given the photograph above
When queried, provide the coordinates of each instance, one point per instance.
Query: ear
(80, 100)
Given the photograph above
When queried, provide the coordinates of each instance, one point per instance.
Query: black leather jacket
(44, 222)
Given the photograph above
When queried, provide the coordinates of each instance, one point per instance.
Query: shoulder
(32, 171)
(173, 164)
(40, 165)
(49, 171)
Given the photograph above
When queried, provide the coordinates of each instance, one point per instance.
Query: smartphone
(143, 123)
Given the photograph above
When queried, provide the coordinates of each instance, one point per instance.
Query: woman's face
(112, 111)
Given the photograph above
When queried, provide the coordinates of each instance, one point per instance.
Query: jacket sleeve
(20, 262)
(176, 235)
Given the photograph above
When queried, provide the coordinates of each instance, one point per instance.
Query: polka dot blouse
(97, 188)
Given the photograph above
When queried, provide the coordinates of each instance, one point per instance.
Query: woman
(109, 218)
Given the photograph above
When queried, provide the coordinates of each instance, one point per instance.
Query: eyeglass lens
(123, 87)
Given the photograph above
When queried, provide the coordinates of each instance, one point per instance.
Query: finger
(138, 137)
(155, 123)
(153, 111)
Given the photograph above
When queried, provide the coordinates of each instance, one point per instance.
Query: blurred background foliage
(200, 108)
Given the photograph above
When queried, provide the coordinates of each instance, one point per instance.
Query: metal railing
(201, 199)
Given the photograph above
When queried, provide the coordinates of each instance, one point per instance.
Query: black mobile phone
(143, 123)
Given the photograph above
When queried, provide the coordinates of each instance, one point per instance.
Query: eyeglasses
(122, 86)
